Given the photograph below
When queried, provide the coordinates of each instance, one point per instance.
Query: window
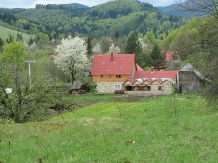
(147, 88)
(101, 76)
(118, 76)
(129, 88)
(109, 76)
(117, 87)
(160, 88)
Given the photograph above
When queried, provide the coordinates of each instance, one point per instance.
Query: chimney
(112, 56)
(152, 70)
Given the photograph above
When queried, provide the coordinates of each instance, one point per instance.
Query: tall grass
(95, 133)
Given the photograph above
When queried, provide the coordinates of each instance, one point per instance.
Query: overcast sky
(90, 3)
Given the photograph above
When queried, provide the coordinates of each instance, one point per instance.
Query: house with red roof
(172, 55)
(120, 72)
(110, 71)
(148, 83)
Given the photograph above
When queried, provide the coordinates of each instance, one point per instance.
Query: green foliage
(1, 45)
(103, 20)
(14, 54)
(19, 37)
(151, 37)
(32, 97)
(131, 45)
(157, 58)
(196, 43)
(89, 46)
(43, 37)
(11, 10)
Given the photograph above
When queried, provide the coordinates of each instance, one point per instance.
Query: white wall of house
(109, 87)
(156, 89)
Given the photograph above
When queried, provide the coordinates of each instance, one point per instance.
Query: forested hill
(172, 10)
(119, 16)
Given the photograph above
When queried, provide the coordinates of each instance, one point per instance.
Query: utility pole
(29, 69)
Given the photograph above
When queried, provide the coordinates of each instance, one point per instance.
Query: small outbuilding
(190, 79)
(79, 86)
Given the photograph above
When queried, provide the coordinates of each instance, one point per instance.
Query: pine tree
(133, 47)
(1, 44)
(89, 46)
(157, 59)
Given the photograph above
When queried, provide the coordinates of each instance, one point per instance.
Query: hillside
(115, 129)
(171, 10)
(78, 5)
(5, 32)
(175, 11)
(100, 20)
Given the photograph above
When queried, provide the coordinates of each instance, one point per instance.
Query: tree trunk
(73, 77)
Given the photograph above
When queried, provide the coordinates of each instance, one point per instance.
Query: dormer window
(118, 76)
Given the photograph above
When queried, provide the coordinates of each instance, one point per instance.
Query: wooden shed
(190, 79)
(79, 86)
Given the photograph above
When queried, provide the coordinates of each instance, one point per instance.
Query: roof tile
(105, 64)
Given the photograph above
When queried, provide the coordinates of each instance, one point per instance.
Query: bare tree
(198, 7)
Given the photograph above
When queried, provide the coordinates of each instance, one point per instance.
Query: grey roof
(189, 67)
(77, 84)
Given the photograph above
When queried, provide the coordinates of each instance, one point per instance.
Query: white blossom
(142, 44)
(97, 49)
(71, 55)
(113, 49)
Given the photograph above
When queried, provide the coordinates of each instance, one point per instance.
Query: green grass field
(5, 32)
(159, 129)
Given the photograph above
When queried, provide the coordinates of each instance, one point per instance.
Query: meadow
(111, 128)
(6, 32)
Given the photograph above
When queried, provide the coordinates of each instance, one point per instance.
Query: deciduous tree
(97, 49)
(71, 56)
(205, 49)
(14, 54)
(113, 49)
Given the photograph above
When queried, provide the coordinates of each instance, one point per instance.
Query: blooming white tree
(71, 56)
(97, 49)
(113, 49)
(142, 44)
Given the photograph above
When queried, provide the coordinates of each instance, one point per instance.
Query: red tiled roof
(158, 80)
(169, 55)
(53, 57)
(156, 74)
(103, 64)
(139, 68)
(131, 80)
(149, 80)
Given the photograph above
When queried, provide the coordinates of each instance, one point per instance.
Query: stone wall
(153, 92)
(108, 87)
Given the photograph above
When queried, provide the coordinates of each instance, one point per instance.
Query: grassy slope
(5, 32)
(144, 131)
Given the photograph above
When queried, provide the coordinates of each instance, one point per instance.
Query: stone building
(120, 73)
